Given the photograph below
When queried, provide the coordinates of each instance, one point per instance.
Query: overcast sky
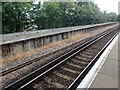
(104, 5)
(108, 5)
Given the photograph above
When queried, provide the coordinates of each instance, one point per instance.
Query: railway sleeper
(63, 76)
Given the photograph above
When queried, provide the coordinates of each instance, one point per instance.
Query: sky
(108, 5)
(104, 5)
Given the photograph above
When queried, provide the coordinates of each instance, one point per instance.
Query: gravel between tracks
(13, 61)
(11, 77)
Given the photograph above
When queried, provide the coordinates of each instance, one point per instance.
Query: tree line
(18, 16)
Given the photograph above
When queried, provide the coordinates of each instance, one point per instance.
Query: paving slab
(105, 81)
(110, 68)
(114, 55)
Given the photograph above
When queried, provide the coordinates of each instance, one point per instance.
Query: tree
(18, 16)
(14, 18)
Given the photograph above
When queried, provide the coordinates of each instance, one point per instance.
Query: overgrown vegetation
(18, 16)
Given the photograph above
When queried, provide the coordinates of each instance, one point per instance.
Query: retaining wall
(13, 44)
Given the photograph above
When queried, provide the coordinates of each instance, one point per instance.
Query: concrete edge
(89, 78)
(56, 31)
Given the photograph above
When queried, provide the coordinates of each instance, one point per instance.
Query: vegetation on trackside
(19, 16)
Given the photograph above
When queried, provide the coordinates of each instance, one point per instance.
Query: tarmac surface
(108, 76)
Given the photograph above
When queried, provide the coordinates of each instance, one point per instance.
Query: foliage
(14, 16)
(18, 16)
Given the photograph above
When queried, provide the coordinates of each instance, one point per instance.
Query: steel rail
(28, 79)
(81, 76)
(4, 72)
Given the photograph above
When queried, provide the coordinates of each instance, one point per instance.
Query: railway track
(14, 68)
(69, 69)
(17, 67)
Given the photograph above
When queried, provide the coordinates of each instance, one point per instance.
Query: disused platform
(107, 76)
(23, 51)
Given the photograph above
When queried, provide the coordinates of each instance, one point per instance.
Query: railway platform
(107, 76)
(104, 74)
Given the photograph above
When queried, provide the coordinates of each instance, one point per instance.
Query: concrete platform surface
(108, 75)
(16, 37)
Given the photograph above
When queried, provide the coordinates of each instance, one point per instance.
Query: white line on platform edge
(89, 78)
